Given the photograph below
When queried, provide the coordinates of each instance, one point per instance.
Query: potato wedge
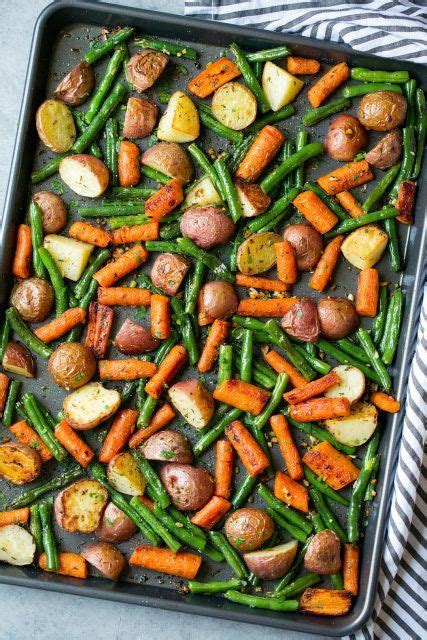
(90, 405)
(84, 174)
(19, 464)
(180, 122)
(280, 87)
(124, 475)
(17, 545)
(351, 384)
(234, 105)
(256, 254)
(355, 429)
(106, 558)
(169, 158)
(272, 563)
(79, 507)
(365, 246)
(77, 85)
(252, 198)
(17, 359)
(55, 125)
(193, 401)
(202, 194)
(71, 256)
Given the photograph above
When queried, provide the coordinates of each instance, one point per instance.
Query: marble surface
(27, 613)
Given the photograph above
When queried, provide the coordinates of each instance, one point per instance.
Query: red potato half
(189, 488)
(77, 85)
(207, 226)
(53, 210)
(19, 464)
(79, 507)
(133, 339)
(345, 138)
(168, 272)
(140, 118)
(124, 475)
(248, 529)
(217, 299)
(168, 446)
(85, 175)
(115, 526)
(302, 321)
(106, 558)
(272, 563)
(323, 555)
(193, 401)
(17, 359)
(307, 244)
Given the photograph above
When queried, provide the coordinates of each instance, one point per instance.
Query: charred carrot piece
(252, 456)
(325, 602)
(90, 329)
(21, 267)
(280, 365)
(350, 204)
(70, 564)
(4, 386)
(242, 395)
(290, 453)
(211, 513)
(328, 83)
(165, 200)
(368, 289)
(15, 516)
(213, 76)
(161, 418)
(385, 402)
(315, 211)
(128, 164)
(129, 369)
(103, 326)
(271, 308)
(325, 267)
(290, 492)
(137, 233)
(262, 151)
(119, 434)
(287, 270)
(61, 325)
(169, 368)
(26, 434)
(124, 264)
(346, 177)
(162, 560)
(124, 296)
(332, 466)
(73, 443)
(320, 409)
(217, 336)
(89, 233)
(223, 468)
(350, 568)
(160, 316)
(256, 282)
(302, 66)
(312, 389)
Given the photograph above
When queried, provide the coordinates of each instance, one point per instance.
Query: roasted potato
(169, 158)
(272, 563)
(256, 254)
(207, 226)
(180, 122)
(106, 558)
(84, 174)
(71, 256)
(18, 359)
(302, 321)
(355, 429)
(19, 464)
(217, 299)
(90, 405)
(189, 488)
(364, 247)
(134, 339)
(124, 475)
(72, 365)
(323, 555)
(53, 210)
(307, 244)
(234, 105)
(387, 151)
(17, 545)
(350, 386)
(193, 401)
(33, 298)
(345, 138)
(77, 85)
(168, 272)
(382, 110)
(280, 86)
(202, 194)
(115, 526)
(337, 316)
(168, 446)
(144, 68)
(79, 507)
(248, 529)
(55, 126)
(252, 198)
(140, 118)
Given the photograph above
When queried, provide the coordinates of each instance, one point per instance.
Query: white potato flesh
(350, 386)
(85, 175)
(71, 256)
(365, 246)
(55, 125)
(17, 545)
(90, 405)
(202, 194)
(280, 86)
(355, 429)
(180, 122)
(234, 105)
(79, 507)
(248, 209)
(193, 401)
(124, 475)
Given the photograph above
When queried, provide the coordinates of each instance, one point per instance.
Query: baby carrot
(213, 76)
(73, 443)
(215, 339)
(160, 316)
(271, 308)
(242, 395)
(89, 233)
(325, 267)
(70, 564)
(312, 389)
(286, 262)
(223, 468)
(211, 513)
(368, 289)
(129, 369)
(103, 325)
(165, 200)
(169, 368)
(385, 402)
(336, 469)
(320, 409)
(262, 151)
(128, 164)
(119, 434)
(26, 434)
(137, 233)
(15, 516)
(289, 450)
(280, 365)
(290, 492)
(328, 83)
(124, 296)
(302, 66)
(350, 204)
(161, 418)
(346, 177)
(315, 211)
(257, 282)
(22, 260)
(252, 456)
(124, 264)
(350, 568)
(4, 386)
(162, 560)
(61, 325)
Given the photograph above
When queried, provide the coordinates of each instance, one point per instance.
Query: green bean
(104, 85)
(293, 162)
(359, 488)
(300, 142)
(107, 45)
(146, 411)
(380, 319)
(215, 586)
(83, 284)
(108, 210)
(127, 221)
(220, 542)
(154, 174)
(125, 193)
(42, 427)
(280, 206)
(291, 515)
(268, 54)
(295, 358)
(171, 48)
(58, 284)
(34, 493)
(235, 244)
(317, 522)
(369, 87)
(49, 168)
(351, 348)
(355, 223)
(243, 491)
(368, 75)
(326, 514)
(389, 340)
(157, 526)
(210, 122)
(111, 135)
(152, 479)
(195, 283)
(260, 376)
(259, 602)
(27, 337)
(290, 575)
(271, 118)
(321, 486)
(249, 77)
(408, 157)
(345, 358)
(420, 116)
(84, 303)
(211, 261)
(337, 581)
(313, 430)
(380, 188)
(330, 202)
(314, 116)
(186, 328)
(311, 349)
(379, 366)
(239, 152)
(94, 149)
(370, 489)
(288, 148)
(225, 363)
(294, 531)
(36, 223)
(49, 545)
(274, 401)
(227, 189)
(257, 69)
(181, 518)
(246, 356)
(316, 363)
(215, 431)
(36, 527)
(298, 586)
(410, 88)
(10, 402)
(203, 162)
(4, 337)
(195, 542)
(393, 251)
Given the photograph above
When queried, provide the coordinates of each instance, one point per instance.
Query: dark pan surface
(62, 36)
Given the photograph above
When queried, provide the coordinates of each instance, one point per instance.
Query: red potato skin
(189, 488)
(33, 298)
(248, 529)
(89, 163)
(168, 446)
(217, 299)
(198, 395)
(17, 355)
(337, 316)
(60, 512)
(323, 555)
(115, 526)
(207, 226)
(53, 210)
(77, 85)
(168, 272)
(270, 564)
(134, 339)
(171, 159)
(302, 321)
(140, 118)
(345, 138)
(387, 151)
(144, 68)
(382, 110)
(307, 244)
(106, 558)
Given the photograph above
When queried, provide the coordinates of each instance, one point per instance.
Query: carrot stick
(26, 434)
(129, 369)
(124, 296)
(128, 164)
(332, 466)
(103, 326)
(73, 443)
(325, 267)
(280, 365)
(213, 76)
(312, 389)
(328, 83)
(61, 325)
(215, 339)
(148, 503)
(70, 564)
(320, 409)
(137, 233)
(271, 308)
(287, 270)
(242, 395)
(124, 264)
(211, 513)
(89, 233)
(162, 560)
(119, 434)
(325, 602)
(161, 418)
(165, 200)
(350, 204)
(290, 492)
(405, 201)
(368, 287)
(22, 261)
(15, 516)
(315, 211)
(4, 386)
(385, 402)
(302, 66)
(91, 324)
(262, 151)
(289, 450)
(223, 468)
(169, 368)
(160, 316)
(346, 177)
(256, 282)
(250, 453)
(350, 568)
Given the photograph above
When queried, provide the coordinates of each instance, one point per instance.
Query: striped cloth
(391, 29)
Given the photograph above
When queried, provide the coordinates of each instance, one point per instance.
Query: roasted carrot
(61, 325)
(22, 260)
(73, 443)
(91, 324)
(137, 233)
(129, 369)
(346, 177)
(89, 233)
(332, 466)
(248, 450)
(312, 389)
(165, 200)
(325, 602)
(124, 296)
(223, 468)
(160, 316)
(257, 282)
(15, 516)
(128, 164)
(70, 564)
(211, 513)
(262, 151)
(242, 395)
(271, 308)
(328, 83)
(320, 409)
(161, 418)
(302, 66)
(350, 204)
(169, 368)
(289, 450)
(290, 492)
(26, 434)
(147, 501)
(286, 262)
(368, 288)
(385, 402)
(119, 434)
(124, 264)
(215, 339)
(4, 386)
(325, 267)
(181, 564)
(103, 326)
(213, 76)
(405, 201)
(350, 568)
(280, 365)
(315, 211)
